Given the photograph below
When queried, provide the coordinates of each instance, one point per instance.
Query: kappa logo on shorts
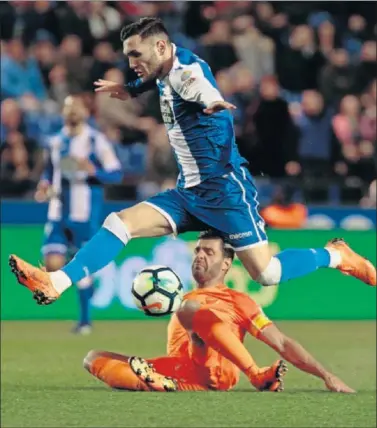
(241, 235)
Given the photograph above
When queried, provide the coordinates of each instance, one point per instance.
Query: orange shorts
(202, 369)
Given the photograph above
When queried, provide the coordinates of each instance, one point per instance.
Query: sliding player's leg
(209, 324)
(137, 374)
(159, 216)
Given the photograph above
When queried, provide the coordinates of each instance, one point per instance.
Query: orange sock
(116, 374)
(217, 334)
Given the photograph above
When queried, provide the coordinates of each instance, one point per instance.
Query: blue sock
(85, 295)
(94, 255)
(301, 262)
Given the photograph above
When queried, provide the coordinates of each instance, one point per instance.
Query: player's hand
(219, 106)
(115, 89)
(43, 191)
(336, 385)
(86, 165)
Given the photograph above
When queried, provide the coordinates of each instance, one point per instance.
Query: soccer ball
(157, 291)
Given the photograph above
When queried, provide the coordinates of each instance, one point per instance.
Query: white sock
(335, 257)
(84, 283)
(60, 281)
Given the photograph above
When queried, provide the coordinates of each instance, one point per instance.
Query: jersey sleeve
(253, 319)
(192, 85)
(138, 86)
(110, 170)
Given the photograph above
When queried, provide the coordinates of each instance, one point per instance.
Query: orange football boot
(270, 378)
(352, 263)
(36, 280)
(148, 375)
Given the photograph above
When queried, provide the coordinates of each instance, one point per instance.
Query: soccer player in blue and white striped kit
(214, 189)
(79, 161)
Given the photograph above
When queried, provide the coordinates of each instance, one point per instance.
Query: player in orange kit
(205, 348)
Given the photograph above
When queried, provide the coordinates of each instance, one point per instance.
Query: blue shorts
(66, 237)
(227, 204)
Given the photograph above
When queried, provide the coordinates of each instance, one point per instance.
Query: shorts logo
(240, 235)
(261, 225)
(185, 75)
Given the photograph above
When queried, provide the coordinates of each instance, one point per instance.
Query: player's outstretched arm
(124, 92)
(293, 352)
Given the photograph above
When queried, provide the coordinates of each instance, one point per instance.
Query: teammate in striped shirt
(79, 161)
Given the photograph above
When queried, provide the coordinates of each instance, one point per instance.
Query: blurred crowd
(302, 75)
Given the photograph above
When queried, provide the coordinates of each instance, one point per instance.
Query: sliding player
(205, 348)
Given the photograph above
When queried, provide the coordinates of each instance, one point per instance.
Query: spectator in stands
(23, 19)
(20, 73)
(367, 68)
(59, 87)
(283, 212)
(337, 78)
(370, 199)
(104, 58)
(346, 123)
(21, 165)
(77, 65)
(316, 139)
(220, 52)
(104, 22)
(12, 119)
(368, 130)
(74, 20)
(275, 131)
(327, 38)
(298, 63)
(45, 54)
(255, 50)
(355, 35)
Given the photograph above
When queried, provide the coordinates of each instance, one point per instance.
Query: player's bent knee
(116, 225)
(186, 313)
(272, 274)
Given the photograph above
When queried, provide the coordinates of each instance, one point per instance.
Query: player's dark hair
(144, 27)
(212, 234)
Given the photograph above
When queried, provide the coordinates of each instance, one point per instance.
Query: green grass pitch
(44, 385)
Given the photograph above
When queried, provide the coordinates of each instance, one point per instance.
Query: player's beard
(204, 274)
(156, 69)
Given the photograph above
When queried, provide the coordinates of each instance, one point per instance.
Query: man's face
(209, 262)
(145, 55)
(74, 110)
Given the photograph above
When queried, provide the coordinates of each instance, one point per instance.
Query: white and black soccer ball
(157, 291)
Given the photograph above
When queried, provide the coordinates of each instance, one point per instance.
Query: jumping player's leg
(234, 212)
(289, 264)
(136, 374)
(159, 216)
(216, 333)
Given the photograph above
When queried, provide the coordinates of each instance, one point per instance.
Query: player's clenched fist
(116, 90)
